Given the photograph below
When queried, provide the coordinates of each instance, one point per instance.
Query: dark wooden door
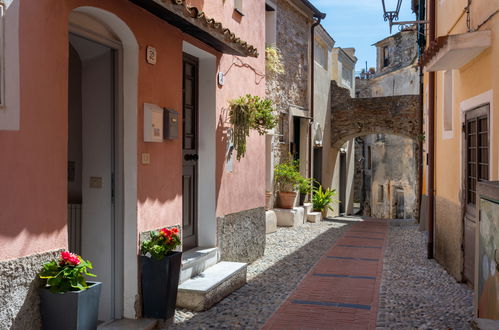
(399, 204)
(476, 169)
(189, 152)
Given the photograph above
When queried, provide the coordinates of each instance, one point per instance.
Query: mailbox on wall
(153, 123)
(170, 124)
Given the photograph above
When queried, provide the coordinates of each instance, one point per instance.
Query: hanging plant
(246, 113)
(273, 60)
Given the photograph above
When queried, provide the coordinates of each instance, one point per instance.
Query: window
(320, 54)
(447, 101)
(270, 24)
(386, 58)
(238, 6)
(346, 76)
(369, 159)
(477, 150)
(381, 193)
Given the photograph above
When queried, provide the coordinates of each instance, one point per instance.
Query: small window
(381, 193)
(386, 57)
(447, 101)
(238, 6)
(270, 25)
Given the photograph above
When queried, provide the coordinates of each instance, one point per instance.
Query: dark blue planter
(159, 280)
(73, 310)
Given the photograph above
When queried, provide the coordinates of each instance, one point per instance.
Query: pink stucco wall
(33, 167)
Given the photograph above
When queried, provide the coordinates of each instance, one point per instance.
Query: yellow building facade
(465, 60)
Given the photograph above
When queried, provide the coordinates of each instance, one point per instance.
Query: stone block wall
(241, 236)
(19, 285)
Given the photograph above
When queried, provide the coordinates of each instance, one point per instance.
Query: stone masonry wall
(291, 87)
(19, 285)
(241, 236)
(397, 115)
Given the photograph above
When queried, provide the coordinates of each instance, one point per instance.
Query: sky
(359, 24)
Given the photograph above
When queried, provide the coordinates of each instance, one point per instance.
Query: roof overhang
(194, 22)
(454, 51)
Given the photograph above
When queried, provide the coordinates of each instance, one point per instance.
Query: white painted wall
(207, 221)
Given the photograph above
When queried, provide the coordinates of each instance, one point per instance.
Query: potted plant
(322, 199)
(160, 272)
(287, 177)
(305, 187)
(249, 113)
(67, 300)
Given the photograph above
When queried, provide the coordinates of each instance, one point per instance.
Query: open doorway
(94, 182)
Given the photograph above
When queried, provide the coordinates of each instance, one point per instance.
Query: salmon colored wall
(244, 187)
(33, 169)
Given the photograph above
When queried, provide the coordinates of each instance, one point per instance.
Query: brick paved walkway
(341, 291)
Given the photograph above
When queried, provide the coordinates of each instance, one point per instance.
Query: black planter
(73, 310)
(302, 198)
(159, 280)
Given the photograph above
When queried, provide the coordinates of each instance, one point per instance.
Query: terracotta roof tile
(215, 27)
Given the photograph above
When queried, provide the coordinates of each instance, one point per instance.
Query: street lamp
(392, 14)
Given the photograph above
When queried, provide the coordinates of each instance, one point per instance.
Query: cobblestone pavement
(417, 293)
(289, 254)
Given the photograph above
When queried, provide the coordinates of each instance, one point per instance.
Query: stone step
(290, 217)
(215, 283)
(128, 324)
(314, 217)
(196, 260)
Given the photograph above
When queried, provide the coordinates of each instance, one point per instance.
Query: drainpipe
(318, 18)
(431, 138)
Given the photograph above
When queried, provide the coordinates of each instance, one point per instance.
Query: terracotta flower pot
(287, 199)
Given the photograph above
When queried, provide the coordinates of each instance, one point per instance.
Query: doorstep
(195, 261)
(212, 285)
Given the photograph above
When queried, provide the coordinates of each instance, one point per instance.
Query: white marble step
(212, 285)
(196, 260)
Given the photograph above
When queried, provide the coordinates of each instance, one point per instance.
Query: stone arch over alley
(353, 117)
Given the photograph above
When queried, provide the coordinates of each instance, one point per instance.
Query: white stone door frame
(127, 156)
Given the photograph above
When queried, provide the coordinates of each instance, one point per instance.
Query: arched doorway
(102, 165)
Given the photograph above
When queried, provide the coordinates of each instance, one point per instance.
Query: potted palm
(160, 272)
(286, 178)
(304, 187)
(67, 300)
(322, 200)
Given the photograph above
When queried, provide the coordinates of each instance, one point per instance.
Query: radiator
(74, 227)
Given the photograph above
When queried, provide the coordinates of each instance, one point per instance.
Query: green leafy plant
(322, 199)
(287, 175)
(161, 243)
(273, 60)
(66, 273)
(246, 113)
(305, 185)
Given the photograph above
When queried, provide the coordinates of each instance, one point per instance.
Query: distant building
(386, 165)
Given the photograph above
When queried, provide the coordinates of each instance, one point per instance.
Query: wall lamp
(392, 15)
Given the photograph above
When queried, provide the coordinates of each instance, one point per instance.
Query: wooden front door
(189, 152)
(476, 169)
